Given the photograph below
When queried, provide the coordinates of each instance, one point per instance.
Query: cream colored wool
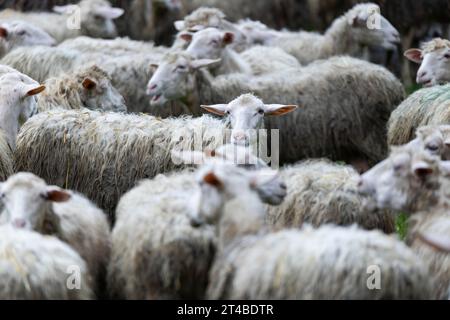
(103, 155)
(36, 267)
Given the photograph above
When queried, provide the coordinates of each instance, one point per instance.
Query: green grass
(401, 225)
(413, 88)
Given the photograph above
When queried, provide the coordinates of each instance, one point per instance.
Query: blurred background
(417, 21)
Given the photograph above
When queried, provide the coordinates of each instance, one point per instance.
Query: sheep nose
(19, 223)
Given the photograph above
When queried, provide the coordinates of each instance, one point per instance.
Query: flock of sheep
(117, 183)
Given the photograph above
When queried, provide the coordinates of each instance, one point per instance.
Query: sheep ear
(218, 109)
(34, 90)
(196, 28)
(228, 38)
(202, 63)
(278, 109)
(3, 32)
(211, 179)
(56, 194)
(186, 36)
(179, 25)
(108, 12)
(67, 9)
(414, 55)
(188, 157)
(89, 84)
(438, 242)
(422, 169)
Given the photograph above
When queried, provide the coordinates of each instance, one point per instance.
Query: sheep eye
(180, 67)
(227, 112)
(432, 147)
(22, 33)
(2, 195)
(398, 167)
(447, 56)
(214, 42)
(260, 111)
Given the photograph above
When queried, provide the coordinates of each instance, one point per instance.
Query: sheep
(17, 93)
(14, 34)
(428, 106)
(434, 60)
(156, 252)
(29, 203)
(88, 88)
(102, 155)
(321, 192)
(204, 17)
(33, 266)
(328, 263)
(349, 124)
(346, 36)
(95, 19)
(17, 97)
(435, 139)
(417, 183)
(212, 43)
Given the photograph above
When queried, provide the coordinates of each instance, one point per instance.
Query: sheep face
(17, 96)
(436, 140)
(208, 43)
(397, 182)
(370, 28)
(18, 33)
(96, 17)
(220, 183)
(26, 199)
(174, 78)
(96, 91)
(434, 60)
(245, 114)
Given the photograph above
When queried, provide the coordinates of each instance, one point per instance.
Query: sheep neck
(9, 123)
(231, 62)
(241, 216)
(338, 36)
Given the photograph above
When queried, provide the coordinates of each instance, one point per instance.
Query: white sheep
(361, 26)
(17, 97)
(434, 60)
(87, 88)
(29, 203)
(157, 253)
(89, 17)
(33, 266)
(103, 155)
(328, 263)
(415, 182)
(15, 34)
(212, 43)
(205, 17)
(428, 106)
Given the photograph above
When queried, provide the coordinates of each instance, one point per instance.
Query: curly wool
(156, 253)
(6, 158)
(435, 222)
(103, 155)
(428, 106)
(35, 267)
(67, 92)
(321, 192)
(325, 263)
